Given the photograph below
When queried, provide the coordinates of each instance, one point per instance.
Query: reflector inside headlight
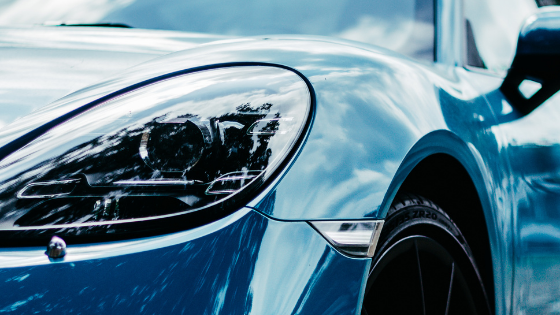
(195, 141)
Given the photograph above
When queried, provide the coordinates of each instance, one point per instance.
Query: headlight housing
(153, 158)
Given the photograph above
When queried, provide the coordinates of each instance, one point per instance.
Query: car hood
(41, 64)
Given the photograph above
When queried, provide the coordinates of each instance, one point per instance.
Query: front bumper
(245, 263)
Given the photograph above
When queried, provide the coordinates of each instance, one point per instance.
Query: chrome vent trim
(356, 238)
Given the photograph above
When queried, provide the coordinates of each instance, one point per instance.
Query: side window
(472, 57)
(491, 29)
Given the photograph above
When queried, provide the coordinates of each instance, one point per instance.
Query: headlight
(177, 150)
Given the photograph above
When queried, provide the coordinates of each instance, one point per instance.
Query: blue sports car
(385, 157)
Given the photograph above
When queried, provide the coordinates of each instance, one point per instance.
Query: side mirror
(536, 62)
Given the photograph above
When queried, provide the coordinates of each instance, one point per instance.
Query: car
(384, 157)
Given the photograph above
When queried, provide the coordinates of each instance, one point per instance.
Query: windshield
(406, 26)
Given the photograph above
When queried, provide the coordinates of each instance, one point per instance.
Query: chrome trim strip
(21, 193)
(156, 182)
(352, 237)
(375, 238)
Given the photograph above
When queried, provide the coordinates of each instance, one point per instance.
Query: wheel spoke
(423, 265)
(450, 287)
(420, 276)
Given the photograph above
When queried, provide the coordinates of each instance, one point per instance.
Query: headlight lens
(201, 140)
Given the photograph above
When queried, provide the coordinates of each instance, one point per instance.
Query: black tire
(423, 265)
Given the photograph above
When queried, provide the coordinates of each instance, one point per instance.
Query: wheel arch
(448, 171)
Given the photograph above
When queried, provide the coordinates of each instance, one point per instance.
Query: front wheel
(423, 265)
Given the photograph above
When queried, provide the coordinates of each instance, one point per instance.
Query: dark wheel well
(442, 179)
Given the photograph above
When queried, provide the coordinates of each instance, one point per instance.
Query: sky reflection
(403, 25)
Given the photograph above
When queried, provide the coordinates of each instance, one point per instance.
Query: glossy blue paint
(534, 155)
(378, 115)
(236, 265)
(527, 214)
(348, 79)
(373, 107)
